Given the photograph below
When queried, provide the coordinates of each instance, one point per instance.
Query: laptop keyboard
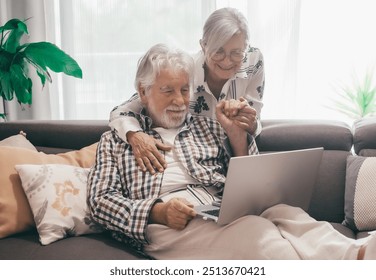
(214, 212)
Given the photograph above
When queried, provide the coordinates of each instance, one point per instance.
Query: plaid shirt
(121, 196)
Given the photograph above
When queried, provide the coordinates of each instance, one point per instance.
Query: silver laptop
(257, 182)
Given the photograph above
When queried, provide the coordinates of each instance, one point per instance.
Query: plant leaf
(18, 29)
(5, 60)
(43, 74)
(359, 100)
(21, 83)
(6, 87)
(45, 55)
(14, 24)
(42, 77)
(13, 41)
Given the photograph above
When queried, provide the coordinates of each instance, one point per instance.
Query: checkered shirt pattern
(121, 196)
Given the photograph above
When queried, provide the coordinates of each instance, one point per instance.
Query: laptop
(257, 182)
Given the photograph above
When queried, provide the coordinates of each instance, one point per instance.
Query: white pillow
(57, 196)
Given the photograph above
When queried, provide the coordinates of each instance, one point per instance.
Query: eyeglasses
(235, 55)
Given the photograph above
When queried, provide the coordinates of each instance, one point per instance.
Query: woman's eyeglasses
(235, 55)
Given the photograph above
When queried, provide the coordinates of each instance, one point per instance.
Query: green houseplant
(359, 100)
(15, 59)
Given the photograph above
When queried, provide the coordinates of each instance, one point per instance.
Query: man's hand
(175, 213)
(243, 115)
(145, 149)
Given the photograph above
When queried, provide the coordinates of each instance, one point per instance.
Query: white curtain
(308, 46)
(107, 38)
(275, 26)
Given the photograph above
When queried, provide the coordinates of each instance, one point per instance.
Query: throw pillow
(15, 212)
(57, 197)
(18, 140)
(360, 193)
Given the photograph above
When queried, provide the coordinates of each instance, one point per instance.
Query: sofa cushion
(15, 212)
(360, 193)
(367, 152)
(99, 246)
(18, 140)
(327, 201)
(57, 197)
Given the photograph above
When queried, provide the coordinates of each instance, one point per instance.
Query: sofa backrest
(55, 136)
(277, 135)
(364, 131)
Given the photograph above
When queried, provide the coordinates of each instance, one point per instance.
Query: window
(308, 46)
(108, 37)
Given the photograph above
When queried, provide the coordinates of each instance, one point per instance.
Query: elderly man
(154, 212)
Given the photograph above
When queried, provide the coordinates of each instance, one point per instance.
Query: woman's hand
(234, 127)
(175, 213)
(145, 149)
(241, 113)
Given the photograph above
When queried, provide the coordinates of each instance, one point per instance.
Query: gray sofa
(338, 139)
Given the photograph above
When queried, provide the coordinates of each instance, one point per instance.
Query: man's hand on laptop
(175, 213)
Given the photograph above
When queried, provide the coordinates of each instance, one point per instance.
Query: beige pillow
(15, 212)
(18, 140)
(57, 196)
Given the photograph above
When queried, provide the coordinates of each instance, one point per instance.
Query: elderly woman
(226, 68)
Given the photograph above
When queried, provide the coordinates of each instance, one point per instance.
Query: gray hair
(160, 57)
(221, 25)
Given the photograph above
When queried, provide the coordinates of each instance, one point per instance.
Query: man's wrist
(157, 213)
(239, 143)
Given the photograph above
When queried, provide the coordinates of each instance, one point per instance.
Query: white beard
(166, 121)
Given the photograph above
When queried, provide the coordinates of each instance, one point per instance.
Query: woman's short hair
(221, 25)
(160, 57)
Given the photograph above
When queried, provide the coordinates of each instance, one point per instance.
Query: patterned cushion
(57, 197)
(360, 193)
(15, 212)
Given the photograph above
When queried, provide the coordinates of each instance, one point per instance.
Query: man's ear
(142, 93)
